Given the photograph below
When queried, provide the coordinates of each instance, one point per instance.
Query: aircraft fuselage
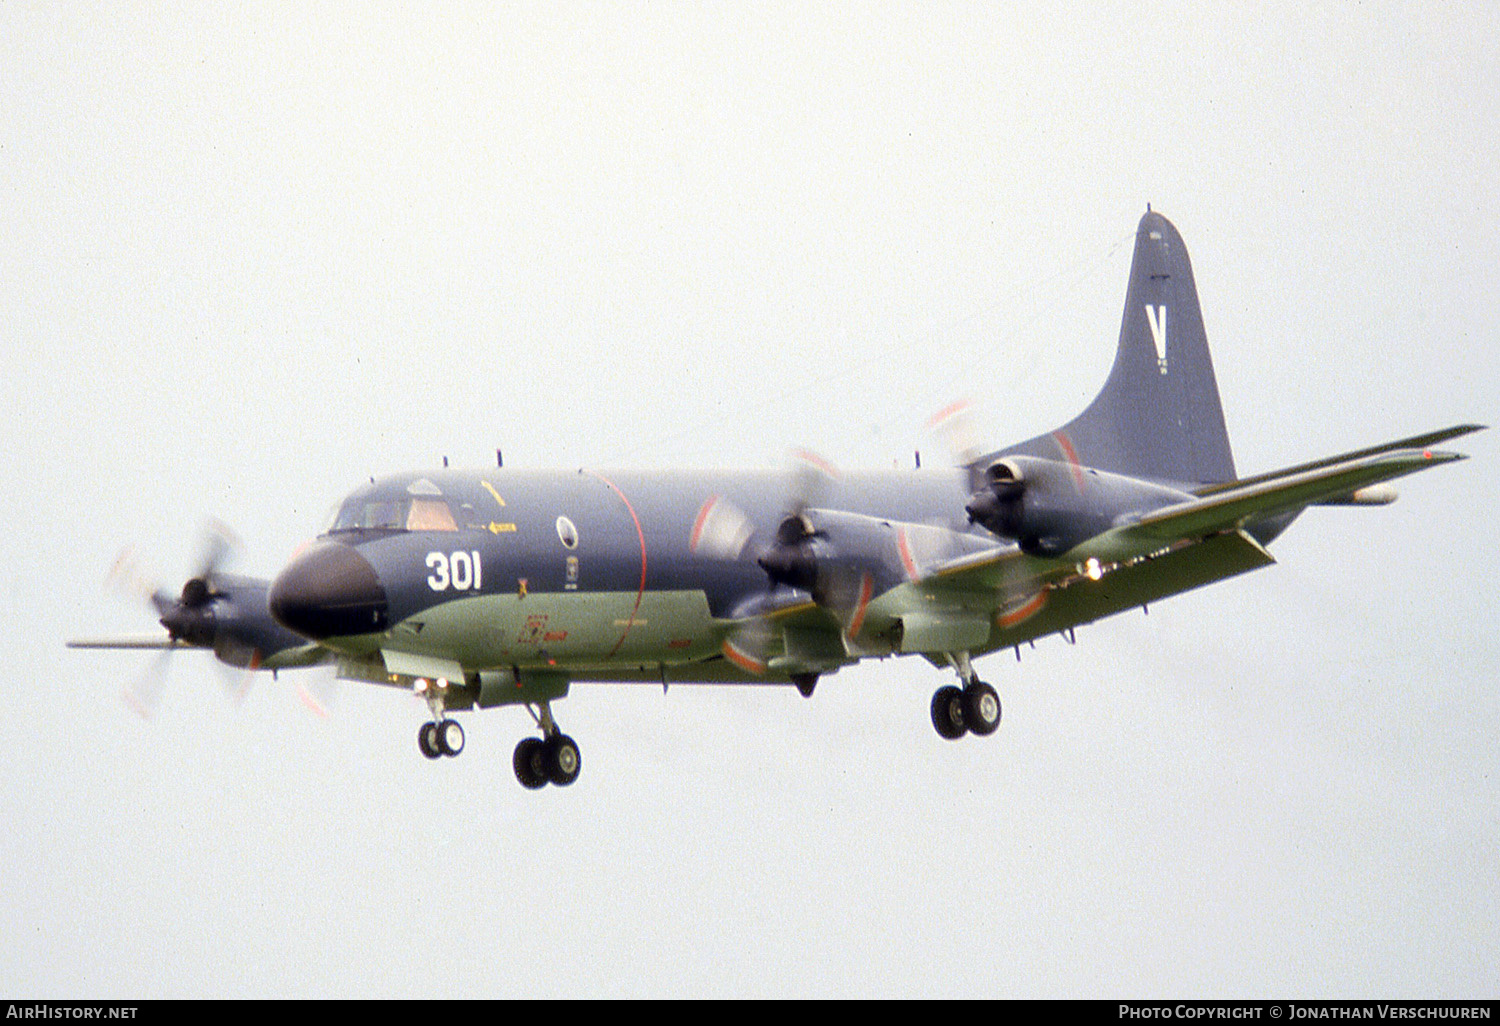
(585, 570)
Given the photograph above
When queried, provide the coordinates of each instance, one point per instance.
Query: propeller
(203, 614)
(840, 560)
(319, 693)
(997, 489)
(955, 423)
(1047, 506)
(796, 554)
(791, 557)
(997, 500)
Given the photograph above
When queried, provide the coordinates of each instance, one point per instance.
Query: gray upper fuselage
(596, 568)
(617, 531)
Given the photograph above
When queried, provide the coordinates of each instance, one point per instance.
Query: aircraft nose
(328, 591)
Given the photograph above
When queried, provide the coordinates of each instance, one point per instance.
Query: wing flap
(411, 664)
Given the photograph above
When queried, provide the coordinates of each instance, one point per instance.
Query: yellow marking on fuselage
(495, 528)
(491, 489)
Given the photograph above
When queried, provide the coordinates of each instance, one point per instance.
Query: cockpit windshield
(424, 510)
(430, 515)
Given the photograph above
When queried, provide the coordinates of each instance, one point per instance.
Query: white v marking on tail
(1156, 317)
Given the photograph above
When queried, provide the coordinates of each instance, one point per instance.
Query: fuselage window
(567, 532)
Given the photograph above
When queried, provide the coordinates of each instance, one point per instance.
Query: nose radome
(328, 591)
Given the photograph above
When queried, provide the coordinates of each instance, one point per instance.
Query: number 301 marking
(461, 571)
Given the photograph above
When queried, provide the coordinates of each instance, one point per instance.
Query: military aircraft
(477, 589)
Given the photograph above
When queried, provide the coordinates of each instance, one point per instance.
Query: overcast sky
(249, 257)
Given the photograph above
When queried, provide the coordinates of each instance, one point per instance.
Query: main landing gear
(550, 759)
(971, 709)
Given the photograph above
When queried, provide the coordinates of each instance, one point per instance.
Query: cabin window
(567, 533)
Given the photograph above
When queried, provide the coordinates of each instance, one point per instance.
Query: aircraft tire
(981, 708)
(449, 736)
(530, 763)
(948, 713)
(427, 740)
(562, 759)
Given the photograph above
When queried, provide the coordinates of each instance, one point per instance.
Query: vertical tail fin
(1158, 415)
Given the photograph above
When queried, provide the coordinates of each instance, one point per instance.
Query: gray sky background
(250, 257)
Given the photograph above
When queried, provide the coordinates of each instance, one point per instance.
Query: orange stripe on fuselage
(1023, 612)
(743, 660)
(866, 591)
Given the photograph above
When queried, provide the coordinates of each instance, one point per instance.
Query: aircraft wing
(1160, 553)
(155, 641)
(1414, 442)
(1231, 506)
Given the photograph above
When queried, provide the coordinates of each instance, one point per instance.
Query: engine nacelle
(1048, 506)
(996, 503)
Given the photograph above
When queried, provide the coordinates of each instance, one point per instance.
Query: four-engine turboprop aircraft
(503, 587)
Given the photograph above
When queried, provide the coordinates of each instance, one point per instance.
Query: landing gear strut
(971, 709)
(550, 759)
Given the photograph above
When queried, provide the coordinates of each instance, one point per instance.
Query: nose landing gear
(437, 738)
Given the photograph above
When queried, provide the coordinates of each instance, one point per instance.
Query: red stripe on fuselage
(698, 524)
(641, 536)
(1071, 455)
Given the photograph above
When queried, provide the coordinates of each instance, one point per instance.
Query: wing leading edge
(1163, 552)
(1233, 505)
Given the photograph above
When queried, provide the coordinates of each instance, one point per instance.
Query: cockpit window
(371, 515)
(415, 514)
(430, 515)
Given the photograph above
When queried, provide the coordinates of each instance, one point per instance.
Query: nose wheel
(437, 738)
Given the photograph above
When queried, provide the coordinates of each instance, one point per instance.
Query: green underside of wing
(1079, 599)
